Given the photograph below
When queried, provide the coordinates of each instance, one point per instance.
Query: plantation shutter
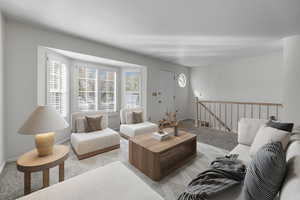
(57, 86)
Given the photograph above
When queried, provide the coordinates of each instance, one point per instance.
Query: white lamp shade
(43, 120)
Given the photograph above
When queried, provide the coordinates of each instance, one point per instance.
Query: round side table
(31, 162)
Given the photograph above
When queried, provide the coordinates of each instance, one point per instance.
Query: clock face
(181, 80)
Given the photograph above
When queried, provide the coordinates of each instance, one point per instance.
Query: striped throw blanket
(224, 173)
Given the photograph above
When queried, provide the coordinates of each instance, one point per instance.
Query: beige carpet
(11, 181)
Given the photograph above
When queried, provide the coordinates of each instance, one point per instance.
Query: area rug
(11, 181)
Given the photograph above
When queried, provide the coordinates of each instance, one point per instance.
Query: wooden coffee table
(157, 159)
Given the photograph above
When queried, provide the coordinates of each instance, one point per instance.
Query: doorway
(166, 93)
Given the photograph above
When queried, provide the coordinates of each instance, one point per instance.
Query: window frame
(86, 79)
(100, 68)
(125, 105)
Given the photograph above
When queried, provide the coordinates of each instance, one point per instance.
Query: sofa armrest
(247, 129)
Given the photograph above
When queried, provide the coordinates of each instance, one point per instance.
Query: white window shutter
(57, 86)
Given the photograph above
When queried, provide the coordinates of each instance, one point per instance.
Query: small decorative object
(161, 136)
(169, 122)
(42, 123)
(176, 130)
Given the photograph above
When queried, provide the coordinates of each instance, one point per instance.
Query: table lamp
(42, 123)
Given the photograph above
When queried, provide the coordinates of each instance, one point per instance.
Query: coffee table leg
(62, 172)
(45, 178)
(27, 182)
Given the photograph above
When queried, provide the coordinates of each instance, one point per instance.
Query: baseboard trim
(2, 166)
(13, 159)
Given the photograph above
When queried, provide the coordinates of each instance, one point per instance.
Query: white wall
(257, 79)
(20, 89)
(2, 149)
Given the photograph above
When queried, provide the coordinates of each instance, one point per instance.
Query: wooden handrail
(232, 111)
(215, 116)
(237, 102)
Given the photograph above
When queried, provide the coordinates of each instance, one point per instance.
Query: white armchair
(89, 144)
(128, 129)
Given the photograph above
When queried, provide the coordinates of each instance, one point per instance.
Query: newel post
(197, 112)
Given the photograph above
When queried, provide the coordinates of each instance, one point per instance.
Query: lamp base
(44, 143)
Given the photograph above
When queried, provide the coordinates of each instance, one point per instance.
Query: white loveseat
(128, 130)
(247, 129)
(89, 144)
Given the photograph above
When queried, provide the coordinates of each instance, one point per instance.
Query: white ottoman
(89, 144)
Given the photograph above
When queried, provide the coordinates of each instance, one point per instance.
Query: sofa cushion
(132, 130)
(265, 173)
(247, 129)
(293, 150)
(244, 153)
(111, 182)
(281, 126)
(290, 189)
(267, 135)
(85, 143)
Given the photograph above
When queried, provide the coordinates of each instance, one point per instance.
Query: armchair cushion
(93, 123)
(85, 143)
(126, 114)
(132, 130)
(137, 117)
(80, 125)
(79, 122)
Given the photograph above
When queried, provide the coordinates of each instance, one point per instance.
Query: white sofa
(111, 182)
(247, 129)
(89, 144)
(128, 130)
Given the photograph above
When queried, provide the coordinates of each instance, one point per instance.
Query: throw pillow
(137, 117)
(281, 126)
(129, 118)
(265, 173)
(80, 125)
(93, 123)
(267, 135)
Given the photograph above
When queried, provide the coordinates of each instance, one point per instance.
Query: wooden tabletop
(30, 161)
(154, 145)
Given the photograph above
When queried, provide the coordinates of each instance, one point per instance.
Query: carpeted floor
(220, 139)
(11, 181)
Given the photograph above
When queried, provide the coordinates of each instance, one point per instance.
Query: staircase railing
(224, 115)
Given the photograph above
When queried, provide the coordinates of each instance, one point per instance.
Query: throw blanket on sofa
(224, 172)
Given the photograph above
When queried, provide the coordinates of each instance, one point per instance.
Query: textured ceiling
(190, 33)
